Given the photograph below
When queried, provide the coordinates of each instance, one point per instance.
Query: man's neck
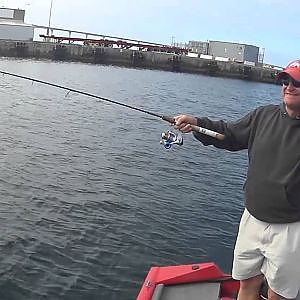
(294, 114)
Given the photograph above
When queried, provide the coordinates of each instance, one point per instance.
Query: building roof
(234, 43)
(13, 23)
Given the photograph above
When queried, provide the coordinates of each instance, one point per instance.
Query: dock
(134, 58)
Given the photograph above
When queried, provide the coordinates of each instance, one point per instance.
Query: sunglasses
(287, 80)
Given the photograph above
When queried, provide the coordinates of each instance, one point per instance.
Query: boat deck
(190, 291)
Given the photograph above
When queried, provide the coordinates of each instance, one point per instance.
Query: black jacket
(272, 188)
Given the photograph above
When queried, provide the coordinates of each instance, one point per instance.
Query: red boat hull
(174, 275)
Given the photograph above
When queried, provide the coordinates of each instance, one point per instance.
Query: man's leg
(249, 288)
(273, 296)
(280, 266)
(248, 257)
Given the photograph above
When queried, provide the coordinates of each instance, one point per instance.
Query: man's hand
(184, 122)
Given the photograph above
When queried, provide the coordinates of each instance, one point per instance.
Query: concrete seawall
(134, 58)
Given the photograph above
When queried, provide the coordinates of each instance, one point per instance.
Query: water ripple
(90, 199)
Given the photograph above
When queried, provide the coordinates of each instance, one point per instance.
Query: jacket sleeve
(236, 133)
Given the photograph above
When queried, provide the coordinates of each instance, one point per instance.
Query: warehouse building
(226, 51)
(234, 51)
(198, 47)
(12, 26)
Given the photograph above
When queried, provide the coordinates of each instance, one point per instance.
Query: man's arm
(236, 133)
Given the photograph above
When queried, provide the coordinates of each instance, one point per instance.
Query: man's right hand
(184, 122)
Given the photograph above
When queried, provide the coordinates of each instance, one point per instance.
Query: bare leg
(249, 288)
(273, 296)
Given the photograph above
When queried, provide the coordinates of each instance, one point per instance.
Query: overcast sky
(269, 24)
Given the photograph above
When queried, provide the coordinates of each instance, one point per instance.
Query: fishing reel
(169, 138)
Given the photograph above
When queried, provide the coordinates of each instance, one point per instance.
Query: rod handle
(208, 132)
(195, 128)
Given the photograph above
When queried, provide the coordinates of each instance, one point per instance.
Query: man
(268, 242)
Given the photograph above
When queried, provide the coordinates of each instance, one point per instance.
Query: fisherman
(268, 241)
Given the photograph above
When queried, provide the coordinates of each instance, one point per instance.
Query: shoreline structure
(213, 58)
(135, 59)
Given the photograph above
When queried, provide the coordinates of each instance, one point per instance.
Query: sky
(271, 25)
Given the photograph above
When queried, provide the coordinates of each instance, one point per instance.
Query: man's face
(291, 93)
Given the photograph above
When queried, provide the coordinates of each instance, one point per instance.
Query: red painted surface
(122, 44)
(187, 274)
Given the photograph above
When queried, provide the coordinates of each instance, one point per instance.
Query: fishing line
(165, 118)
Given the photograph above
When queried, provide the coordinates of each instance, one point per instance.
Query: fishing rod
(168, 138)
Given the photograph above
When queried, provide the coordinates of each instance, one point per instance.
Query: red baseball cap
(292, 69)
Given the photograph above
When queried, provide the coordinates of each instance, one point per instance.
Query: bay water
(90, 199)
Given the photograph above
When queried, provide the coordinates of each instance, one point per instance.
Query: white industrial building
(12, 26)
(234, 51)
(226, 51)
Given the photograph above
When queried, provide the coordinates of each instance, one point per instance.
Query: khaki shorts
(269, 249)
